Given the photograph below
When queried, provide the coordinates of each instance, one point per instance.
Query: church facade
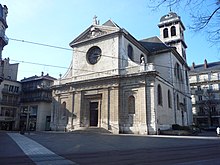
(124, 85)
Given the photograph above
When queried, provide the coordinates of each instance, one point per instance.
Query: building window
(177, 71)
(200, 98)
(131, 105)
(11, 88)
(93, 55)
(6, 87)
(173, 31)
(213, 110)
(16, 89)
(33, 110)
(201, 111)
(142, 59)
(177, 102)
(169, 99)
(165, 33)
(159, 95)
(130, 52)
(187, 78)
(184, 53)
(63, 109)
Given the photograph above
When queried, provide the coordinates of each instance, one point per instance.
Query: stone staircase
(93, 130)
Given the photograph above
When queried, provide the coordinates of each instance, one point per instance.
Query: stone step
(91, 130)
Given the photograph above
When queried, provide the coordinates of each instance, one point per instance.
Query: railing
(4, 90)
(199, 92)
(128, 70)
(9, 103)
(140, 68)
(6, 118)
(207, 113)
(34, 99)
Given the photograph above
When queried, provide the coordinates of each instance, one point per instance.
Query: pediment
(95, 31)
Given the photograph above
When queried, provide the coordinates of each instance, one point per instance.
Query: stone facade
(117, 83)
(205, 89)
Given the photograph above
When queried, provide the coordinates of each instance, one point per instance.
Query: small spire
(95, 20)
(170, 6)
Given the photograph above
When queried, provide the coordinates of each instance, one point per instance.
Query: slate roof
(214, 66)
(153, 44)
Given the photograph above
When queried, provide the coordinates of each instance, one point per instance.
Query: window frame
(159, 95)
(173, 31)
(165, 33)
(131, 104)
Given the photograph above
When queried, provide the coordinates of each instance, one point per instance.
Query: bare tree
(205, 15)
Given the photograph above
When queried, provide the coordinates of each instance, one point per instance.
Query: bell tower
(3, 37)
(172, 32)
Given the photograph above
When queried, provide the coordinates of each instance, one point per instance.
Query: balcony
(9, 103)
(36, 99)
(199, 92)
(3, 37)
(208, 102)
(207, 114)
(6, 91)
(6, 118)
(35, 88)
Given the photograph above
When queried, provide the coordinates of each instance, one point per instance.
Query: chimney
(42, 73)
(205, 64)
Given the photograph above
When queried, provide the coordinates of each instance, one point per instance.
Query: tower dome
(172, 32)
(169, 16)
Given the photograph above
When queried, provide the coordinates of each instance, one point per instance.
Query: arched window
(185, 104)
(169, 99)
(165, 33)
(178, 72)
(131, 104)
(142, 59)
(177, 102)
(130, 52)
(186, 78)
(173, 31)
(63, 108)
(159, 95)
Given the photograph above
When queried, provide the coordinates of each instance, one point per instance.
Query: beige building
(124, 85)
(10, 90)
(205, 88)
(35, 104)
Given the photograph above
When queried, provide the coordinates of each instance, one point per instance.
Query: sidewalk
(38, 153)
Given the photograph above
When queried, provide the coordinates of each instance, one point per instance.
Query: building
(3, 37)
(9, 86)
(10, 90)
(205, 89)
(36, 98)
(124, 85)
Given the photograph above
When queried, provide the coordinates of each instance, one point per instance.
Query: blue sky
(56, 22)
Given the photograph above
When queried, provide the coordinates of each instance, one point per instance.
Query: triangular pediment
(95, 31)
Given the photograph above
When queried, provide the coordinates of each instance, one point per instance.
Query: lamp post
(28, 120)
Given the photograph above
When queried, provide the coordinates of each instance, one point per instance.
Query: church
(124, 85)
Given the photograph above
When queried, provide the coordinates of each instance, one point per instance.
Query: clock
(93, 55)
